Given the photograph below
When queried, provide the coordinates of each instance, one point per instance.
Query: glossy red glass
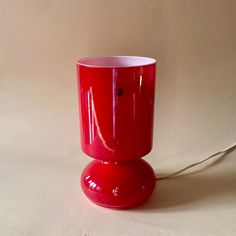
(116, 104)
(118, 184)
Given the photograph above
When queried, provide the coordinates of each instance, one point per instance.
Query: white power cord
(198, 163)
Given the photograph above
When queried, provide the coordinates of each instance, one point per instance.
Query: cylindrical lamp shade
(116, 102)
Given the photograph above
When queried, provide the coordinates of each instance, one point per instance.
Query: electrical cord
(229, 149)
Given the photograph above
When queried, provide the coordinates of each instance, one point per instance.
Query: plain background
(194, 42)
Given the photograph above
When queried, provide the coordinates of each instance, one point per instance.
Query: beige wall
(194, 40)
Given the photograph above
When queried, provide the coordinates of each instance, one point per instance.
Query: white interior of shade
(116, 61)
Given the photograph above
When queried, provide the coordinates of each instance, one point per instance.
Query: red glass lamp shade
(116, 103)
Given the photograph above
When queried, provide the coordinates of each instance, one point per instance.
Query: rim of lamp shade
(115, 61)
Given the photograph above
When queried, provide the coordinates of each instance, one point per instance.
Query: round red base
(118, 185)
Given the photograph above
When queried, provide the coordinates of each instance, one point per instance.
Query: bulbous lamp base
(120, 185)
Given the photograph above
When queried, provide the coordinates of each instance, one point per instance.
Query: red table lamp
(116, 104)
